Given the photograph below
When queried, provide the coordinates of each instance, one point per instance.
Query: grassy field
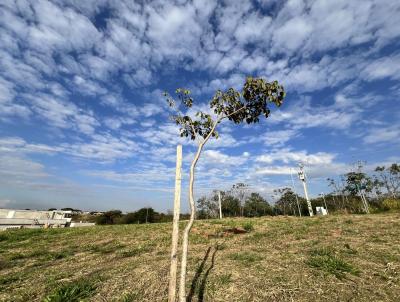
(335, 258)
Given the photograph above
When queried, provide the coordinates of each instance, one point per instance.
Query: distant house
(96, 213)
(10, 219)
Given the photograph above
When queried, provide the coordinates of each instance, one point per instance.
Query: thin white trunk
(175, 226)
(185, 240)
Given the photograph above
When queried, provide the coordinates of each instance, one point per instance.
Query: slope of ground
(335, 258)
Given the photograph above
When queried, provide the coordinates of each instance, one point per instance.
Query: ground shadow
(199, 271)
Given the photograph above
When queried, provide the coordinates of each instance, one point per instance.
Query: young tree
(389, 178)
(207, 207)
(238, 107)
(240, 191)
(230, 205)
(287, 201)
(357, 184)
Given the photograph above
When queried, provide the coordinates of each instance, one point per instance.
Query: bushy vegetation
(144, 215)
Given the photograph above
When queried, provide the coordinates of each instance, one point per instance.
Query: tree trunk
(185, 241)
(175, 227)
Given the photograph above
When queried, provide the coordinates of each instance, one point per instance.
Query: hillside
(336, 258)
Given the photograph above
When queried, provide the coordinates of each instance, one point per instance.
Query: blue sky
(83, 122)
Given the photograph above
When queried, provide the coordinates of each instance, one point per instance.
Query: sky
(84, 124)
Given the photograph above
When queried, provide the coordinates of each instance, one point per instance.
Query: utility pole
(220, 205)
(302, 177)
(294, 191)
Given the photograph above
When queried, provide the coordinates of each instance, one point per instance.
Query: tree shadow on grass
(196, 283)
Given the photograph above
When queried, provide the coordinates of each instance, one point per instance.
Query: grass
(333, 258)
(326, 260)
(246, 258)
(80, 290)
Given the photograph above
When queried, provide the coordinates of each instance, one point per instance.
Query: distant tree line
(144, 215)
(381, 189)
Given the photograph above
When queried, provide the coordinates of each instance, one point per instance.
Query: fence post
(175, 226)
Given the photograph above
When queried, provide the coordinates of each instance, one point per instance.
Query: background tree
(388, 178)
(208, 206)
(143, 215)
(338, 189)
(230, 205)
(245, 106)
(109, 217)
(356, 182)
(359, 183)
(287, 202)
(240, 191)
(256, 206)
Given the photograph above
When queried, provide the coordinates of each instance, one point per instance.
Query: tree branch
(236, 111)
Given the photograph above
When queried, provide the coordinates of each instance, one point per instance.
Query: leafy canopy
(245, 106)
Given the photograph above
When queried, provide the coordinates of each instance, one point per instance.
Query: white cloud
(278, 138)
(388, 134)
(304, 115)
(388, 67)
(252, 28)
(215, 157)
(60, 28)
(287, 156)
(102, 148)
(292, 34)
(63, 114)
(17, 169)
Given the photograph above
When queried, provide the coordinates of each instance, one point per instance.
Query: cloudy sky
(83, 122)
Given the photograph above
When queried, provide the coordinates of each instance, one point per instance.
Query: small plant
(72, 292)
(248, 226)
(325, 260)
(225, 278)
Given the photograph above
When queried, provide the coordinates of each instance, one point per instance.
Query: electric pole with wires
(302, 177)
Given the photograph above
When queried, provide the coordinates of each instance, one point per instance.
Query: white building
(34, 219)
(321, 211)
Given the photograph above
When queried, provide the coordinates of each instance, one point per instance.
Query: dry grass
(336, 258)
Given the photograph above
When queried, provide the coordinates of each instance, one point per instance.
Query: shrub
(391, 204)
(248, 226)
